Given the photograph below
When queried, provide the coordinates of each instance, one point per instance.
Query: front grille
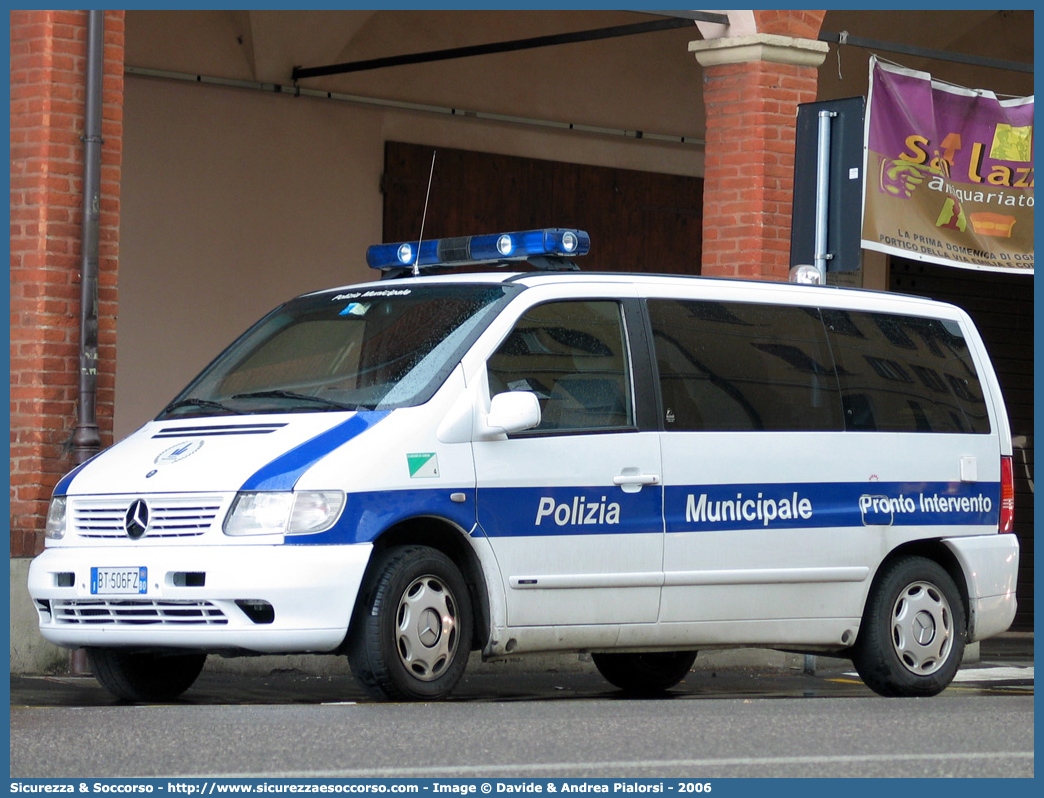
(169, 517)
(125, 612)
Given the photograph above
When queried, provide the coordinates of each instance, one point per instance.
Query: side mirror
(512, 411)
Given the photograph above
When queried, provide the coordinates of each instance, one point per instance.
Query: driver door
(573, 508)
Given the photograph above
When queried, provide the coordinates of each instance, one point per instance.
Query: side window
(573, 356)
(735, 366)
(905, 374)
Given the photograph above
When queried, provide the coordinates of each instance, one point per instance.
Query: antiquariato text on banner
(949, 173)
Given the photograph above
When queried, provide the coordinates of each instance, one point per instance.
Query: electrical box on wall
(844, 200)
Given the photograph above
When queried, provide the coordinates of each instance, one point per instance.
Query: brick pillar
(48, 67)
(752, 87)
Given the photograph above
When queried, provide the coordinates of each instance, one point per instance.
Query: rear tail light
(1007, 509)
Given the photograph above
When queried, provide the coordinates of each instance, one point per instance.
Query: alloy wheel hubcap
(922, 628)
(426, 628)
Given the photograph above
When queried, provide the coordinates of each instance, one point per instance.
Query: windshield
(365, 349)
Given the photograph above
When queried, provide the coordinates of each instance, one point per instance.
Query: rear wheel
(645, 674)
(411, 635)
(144, 676)
(913, 632)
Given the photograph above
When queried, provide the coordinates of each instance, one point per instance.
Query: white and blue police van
(634, 466)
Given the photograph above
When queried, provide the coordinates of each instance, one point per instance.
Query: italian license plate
(119, 581)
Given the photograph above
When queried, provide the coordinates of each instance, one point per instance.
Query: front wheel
(913, 632)
(645, 674)
(411, 635)
(144, 676)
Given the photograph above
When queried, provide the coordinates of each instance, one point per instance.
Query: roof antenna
(424, 213)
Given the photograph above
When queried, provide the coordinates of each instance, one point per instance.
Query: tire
(913, 633)
(411, 634)
(135, 676)
(645, 674)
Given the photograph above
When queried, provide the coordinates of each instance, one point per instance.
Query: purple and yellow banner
(949, 173)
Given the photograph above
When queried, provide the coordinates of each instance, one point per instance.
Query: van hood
(217, 454)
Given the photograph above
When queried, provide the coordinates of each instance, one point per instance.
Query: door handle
(636, 479)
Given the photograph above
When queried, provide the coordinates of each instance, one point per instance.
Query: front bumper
(290, 598)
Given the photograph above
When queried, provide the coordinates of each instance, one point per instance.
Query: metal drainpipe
(86, 441)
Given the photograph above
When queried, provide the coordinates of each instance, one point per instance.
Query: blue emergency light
(547, 248)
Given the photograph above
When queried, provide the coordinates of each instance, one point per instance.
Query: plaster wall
(235, 200)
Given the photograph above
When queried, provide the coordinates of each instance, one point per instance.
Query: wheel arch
(936, 551)
(447, 537)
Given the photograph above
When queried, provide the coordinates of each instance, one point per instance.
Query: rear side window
(905, 374)
(573, 356)
(733, 366)
(739, 366)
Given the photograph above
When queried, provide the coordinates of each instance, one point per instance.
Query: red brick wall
(48, 63)
(749, 166)
(799, 24)
(751, 113)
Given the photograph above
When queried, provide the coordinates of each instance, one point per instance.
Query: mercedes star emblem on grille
(136, 521)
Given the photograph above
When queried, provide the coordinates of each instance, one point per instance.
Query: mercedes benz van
(634, 466)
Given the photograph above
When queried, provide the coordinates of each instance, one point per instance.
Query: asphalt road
(736, 723)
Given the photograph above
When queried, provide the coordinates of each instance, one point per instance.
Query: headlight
(290, 513)
(315, 511)
(55, 529)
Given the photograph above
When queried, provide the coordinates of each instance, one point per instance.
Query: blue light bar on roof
(471, 250)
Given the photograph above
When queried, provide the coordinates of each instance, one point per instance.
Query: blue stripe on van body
(561, 511)
(62, 488)
(367, 514)
(283, 472)
(712, 508)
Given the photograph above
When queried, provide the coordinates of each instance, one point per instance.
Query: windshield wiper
(283, 394)
(193, 402)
